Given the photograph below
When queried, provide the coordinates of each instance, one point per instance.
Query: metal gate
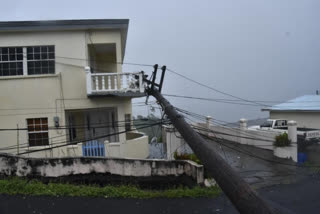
(93, 149)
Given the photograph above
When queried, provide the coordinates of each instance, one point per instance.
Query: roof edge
(71, 24)
(289, 110)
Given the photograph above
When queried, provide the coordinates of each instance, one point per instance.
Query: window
(41, 60)
(35, 60)
(11, 61)
(127, 118)
(38, 131)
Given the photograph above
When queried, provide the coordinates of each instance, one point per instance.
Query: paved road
(301, 197)
(257, 171)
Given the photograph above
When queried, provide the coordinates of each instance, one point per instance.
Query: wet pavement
(259, 167)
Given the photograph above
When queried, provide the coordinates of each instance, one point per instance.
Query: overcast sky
(257, 50)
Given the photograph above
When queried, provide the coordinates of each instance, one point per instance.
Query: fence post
(243, 124)
(292, 136)
(79, 149)
(292, 131)
(243, 128)
(89, 81)
(208, 122)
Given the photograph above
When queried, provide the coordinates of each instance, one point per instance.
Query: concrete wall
(289, 152)
(175, 143)
(137, 147)
(263, 139)
(50, 95)
(13, 165)
(304, 119)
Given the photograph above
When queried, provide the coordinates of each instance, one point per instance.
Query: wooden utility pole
(237, 190)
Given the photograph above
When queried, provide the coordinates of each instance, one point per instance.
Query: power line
(39, 108)
(137, 126)
(106, 62)
(72, 143)
(233, 101)
(203, 118)
(212, 99)
(214, 89)
(59, 142)
(117, 124)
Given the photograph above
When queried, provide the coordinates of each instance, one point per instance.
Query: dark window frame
(11, 61)
(38, 131)
(40, 59)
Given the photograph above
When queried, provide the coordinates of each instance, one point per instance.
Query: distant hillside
(258, 121)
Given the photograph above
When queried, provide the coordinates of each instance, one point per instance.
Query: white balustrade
(109, 83)
(113, 82)
(103, 83)
(96, 83)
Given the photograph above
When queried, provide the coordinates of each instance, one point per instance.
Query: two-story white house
(61, 82)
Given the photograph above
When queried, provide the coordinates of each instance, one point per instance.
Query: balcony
(114, 84)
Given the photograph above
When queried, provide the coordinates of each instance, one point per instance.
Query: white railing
(114, 82)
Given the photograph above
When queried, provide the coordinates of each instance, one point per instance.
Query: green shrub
(191, 157)
(282, 140)
(22, 186)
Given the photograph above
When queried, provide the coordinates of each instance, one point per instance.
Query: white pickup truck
(272, 124)
(281, 125)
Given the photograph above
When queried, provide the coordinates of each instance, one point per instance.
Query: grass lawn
(15, 185)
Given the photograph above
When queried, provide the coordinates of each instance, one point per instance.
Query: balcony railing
(114, 83)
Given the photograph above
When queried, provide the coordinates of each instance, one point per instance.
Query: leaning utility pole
(237, 190)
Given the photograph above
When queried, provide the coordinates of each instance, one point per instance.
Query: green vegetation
(191, 157)
(282, 140)
(15, 185)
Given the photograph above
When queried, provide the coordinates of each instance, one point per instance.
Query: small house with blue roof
(305, 110)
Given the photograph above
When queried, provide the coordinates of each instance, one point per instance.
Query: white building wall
(50, 95)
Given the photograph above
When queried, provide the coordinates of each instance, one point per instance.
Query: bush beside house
(282, 140)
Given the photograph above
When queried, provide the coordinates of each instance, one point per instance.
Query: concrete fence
(174, 142)
(263, 139)
(59, 167)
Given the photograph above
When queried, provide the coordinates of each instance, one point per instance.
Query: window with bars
(41, 60)
(38, 131)
(11, 61)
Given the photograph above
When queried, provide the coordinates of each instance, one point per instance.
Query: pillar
(292, 131)
(243, 123)
(208, 121)
(88, 79)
